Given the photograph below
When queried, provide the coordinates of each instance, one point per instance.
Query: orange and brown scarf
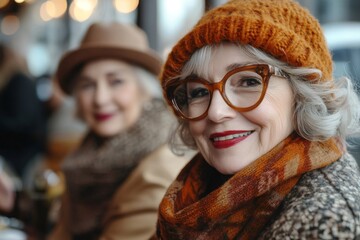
(197, 206)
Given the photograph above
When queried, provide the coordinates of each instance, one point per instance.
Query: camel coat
(132, 212)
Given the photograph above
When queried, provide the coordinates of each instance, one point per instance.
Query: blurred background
(40, 31)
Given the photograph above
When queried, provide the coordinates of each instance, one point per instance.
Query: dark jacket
(22, 122)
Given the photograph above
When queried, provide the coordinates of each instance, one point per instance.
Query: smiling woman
(266, 101)
(104, 81)
(117, 176)
(252, 87)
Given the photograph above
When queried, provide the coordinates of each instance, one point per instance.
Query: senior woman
(120, 172)
(252, 87)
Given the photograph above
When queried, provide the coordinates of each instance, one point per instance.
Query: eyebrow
(228, 68)
(83, 78)
(115, 73)
(236, 65)
(107, 75)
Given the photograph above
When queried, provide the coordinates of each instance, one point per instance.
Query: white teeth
(229, 137)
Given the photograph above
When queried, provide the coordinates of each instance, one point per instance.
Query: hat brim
(73, 59)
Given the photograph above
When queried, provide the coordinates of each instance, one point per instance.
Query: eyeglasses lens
(241, 89)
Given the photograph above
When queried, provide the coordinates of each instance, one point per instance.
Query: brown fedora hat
(108, 40)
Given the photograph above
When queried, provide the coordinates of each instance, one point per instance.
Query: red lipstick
(102, 117)
(228, 138)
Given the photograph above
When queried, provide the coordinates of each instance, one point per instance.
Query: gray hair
(148, 82)
(323, 109)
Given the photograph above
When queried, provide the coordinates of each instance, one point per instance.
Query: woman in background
(118, 175)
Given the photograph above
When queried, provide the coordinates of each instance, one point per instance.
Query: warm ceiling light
(50, 8)
(3, 3)
(126, 6)
(85, 5)
(44, 14)
(80, 12)
(56, 8)
(10, 24)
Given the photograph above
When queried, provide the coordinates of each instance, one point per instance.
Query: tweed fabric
(324, 204)
(281, 28)
(241, 206)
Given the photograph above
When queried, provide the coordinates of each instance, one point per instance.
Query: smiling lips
(228, 138)
(102, 117)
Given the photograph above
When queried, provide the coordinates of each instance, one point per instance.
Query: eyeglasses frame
(264, 70)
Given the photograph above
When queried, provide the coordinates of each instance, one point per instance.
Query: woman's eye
(198, 93)
(86, 85)
(245, 82)
(116, 82)
(250, 82)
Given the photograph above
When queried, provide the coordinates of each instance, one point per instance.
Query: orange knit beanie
(281, 28)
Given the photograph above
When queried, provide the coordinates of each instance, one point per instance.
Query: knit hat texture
(281, 28)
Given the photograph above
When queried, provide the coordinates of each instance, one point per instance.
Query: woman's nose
(102, 94)
(219, 110)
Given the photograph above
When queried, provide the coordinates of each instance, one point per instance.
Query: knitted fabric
(241, 206)
(281, 28)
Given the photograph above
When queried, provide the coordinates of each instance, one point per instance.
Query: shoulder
(134, 206)
(323, 205)
(21, 79)
(19, 83)
(151, 177)
(161, 164)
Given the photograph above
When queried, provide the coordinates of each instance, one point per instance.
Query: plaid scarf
(203, 204)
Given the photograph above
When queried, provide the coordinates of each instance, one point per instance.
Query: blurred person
(7, 190)
(118, 175)
(11, 226)
(43, 180)
(252, 87)
(7, 193)
(22, 117)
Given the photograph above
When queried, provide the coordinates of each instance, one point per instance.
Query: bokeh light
(126, 6)
(10, 25)
(3, 3)
(44, 14)
(81, 10)
(52, 9)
